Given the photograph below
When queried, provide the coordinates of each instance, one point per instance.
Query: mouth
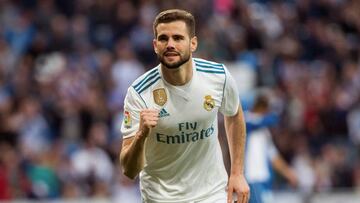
(170, 54)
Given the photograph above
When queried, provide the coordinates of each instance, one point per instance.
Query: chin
(175, 64)
(171, 66)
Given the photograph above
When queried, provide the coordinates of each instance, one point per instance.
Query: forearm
(132, 156)
(283, 168)
(236, 134)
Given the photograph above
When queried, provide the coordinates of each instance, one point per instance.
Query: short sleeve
(272, 151)
(133, 104)
(230, 101)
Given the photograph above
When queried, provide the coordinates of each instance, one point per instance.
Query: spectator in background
(91, 165)
(14, 181)
(30, 125)
(124, 71)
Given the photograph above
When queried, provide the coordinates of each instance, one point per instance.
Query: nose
(170, 44)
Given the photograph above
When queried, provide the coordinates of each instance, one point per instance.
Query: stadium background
(65, 66)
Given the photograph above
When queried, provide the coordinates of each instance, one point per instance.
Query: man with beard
(170, 122)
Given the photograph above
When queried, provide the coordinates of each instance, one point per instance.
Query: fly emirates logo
(188, 132)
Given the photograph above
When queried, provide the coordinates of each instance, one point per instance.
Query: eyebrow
(179, 36)
(163, 36)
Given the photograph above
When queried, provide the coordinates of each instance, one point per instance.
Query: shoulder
(146, 80)
(210, 67)
(211, 72)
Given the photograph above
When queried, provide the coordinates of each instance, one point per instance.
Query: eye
(162, 38)
(178, 37)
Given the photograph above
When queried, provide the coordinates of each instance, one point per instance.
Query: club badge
(209, 103)
(127, 119)
(160, 97)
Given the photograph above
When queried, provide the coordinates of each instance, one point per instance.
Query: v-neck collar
(182, 90)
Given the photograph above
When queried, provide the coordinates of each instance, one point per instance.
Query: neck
(179, 76)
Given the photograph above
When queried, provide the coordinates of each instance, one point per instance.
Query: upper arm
(236, 118)
(132, 106)
(127, 142)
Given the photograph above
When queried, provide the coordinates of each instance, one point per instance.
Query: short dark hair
(261, 102)
(172, 15)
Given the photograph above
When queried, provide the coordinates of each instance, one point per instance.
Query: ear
(193, 44)
(155, 46)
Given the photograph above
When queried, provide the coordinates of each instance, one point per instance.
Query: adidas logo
(163, 113)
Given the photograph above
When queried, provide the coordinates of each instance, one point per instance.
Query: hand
(148, 120)
(238, 185)
(292, 178)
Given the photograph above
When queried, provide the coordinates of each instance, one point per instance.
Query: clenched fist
(148, 120)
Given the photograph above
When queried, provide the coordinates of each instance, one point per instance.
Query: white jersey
(183, 159)
(260, 151)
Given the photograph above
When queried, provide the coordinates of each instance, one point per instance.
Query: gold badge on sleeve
(160, 96)
(209, 103)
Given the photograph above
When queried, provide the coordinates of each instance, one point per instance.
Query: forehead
(172, 28)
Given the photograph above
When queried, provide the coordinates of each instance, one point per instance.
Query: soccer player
(170, 124)
(262, 154)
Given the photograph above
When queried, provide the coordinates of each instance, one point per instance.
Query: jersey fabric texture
(183, 158)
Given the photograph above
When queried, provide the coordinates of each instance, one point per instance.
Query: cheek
(158, 49)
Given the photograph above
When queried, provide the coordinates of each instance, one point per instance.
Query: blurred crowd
(65, 66)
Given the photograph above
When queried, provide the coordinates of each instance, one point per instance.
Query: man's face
(173, 44)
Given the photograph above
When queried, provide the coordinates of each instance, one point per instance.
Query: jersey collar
(183, 90)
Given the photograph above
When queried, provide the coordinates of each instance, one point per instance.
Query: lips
(171, 53)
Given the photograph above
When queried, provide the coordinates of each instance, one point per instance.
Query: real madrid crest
(209, 103)
(160, 97)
